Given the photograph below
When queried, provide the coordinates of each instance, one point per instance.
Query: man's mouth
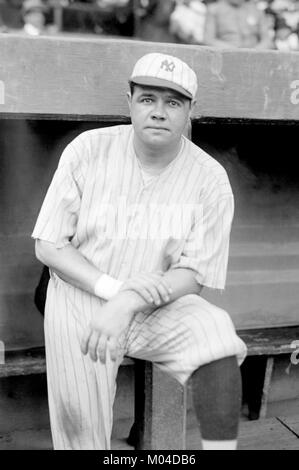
(157, 128)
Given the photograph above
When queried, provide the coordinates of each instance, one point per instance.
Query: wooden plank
(24, 363)
(292, 422)
(160, 413)
(270, 341)
(23, 366)
(32, 362)
(81, 78)
(288, 407)
(266, 434)
(253, 436)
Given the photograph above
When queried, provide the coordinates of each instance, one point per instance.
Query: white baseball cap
(162, 70)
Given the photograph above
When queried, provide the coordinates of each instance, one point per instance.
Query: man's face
(159, 115)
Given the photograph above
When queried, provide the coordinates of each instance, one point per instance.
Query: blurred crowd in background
(260, 24)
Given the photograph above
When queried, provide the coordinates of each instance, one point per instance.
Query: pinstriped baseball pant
(178, 337)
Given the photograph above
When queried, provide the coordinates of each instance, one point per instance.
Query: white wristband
(106, 287)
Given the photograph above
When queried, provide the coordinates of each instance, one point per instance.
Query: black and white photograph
(149, 228)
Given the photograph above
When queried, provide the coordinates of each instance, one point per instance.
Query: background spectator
(237, 23)
(260, 24)
(285, 38)
(105, 17)
(11, 15)
(187, 21)
(34, 12)
(152, 20)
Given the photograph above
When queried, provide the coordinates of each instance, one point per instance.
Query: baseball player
(135, 222)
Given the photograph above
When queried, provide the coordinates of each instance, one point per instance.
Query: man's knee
(200, 314)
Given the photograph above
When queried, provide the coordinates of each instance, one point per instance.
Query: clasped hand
(107, 326)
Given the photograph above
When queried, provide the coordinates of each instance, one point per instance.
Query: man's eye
(173, 103)
(146, 100)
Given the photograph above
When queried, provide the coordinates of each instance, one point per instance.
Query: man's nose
(159, 110)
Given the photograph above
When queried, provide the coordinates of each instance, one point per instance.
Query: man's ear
(129, 99)
(188, 129)
(192, 106)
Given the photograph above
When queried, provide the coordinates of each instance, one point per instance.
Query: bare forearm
(181, 280)
(69, 264)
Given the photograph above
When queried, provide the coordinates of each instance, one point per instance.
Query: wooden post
(266, 387)
(160, 409)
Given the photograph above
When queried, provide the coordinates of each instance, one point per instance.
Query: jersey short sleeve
(57, 220)
(207, 247)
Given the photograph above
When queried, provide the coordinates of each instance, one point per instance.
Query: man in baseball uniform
(135, 222)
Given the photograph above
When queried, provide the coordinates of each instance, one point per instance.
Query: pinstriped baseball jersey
(125, 222)
(98, 202)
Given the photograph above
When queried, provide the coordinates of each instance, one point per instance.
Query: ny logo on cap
(168, 66)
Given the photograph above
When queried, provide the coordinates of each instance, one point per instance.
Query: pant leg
(80, 392)
(184, 335)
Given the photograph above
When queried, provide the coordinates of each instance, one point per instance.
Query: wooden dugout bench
(160, 402)
(51, 87)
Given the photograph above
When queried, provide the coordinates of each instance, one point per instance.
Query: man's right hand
(152, 287)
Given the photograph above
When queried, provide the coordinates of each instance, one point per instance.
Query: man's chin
(157, 143)
(157, 138)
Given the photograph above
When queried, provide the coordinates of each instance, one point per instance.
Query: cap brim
(160, 83)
